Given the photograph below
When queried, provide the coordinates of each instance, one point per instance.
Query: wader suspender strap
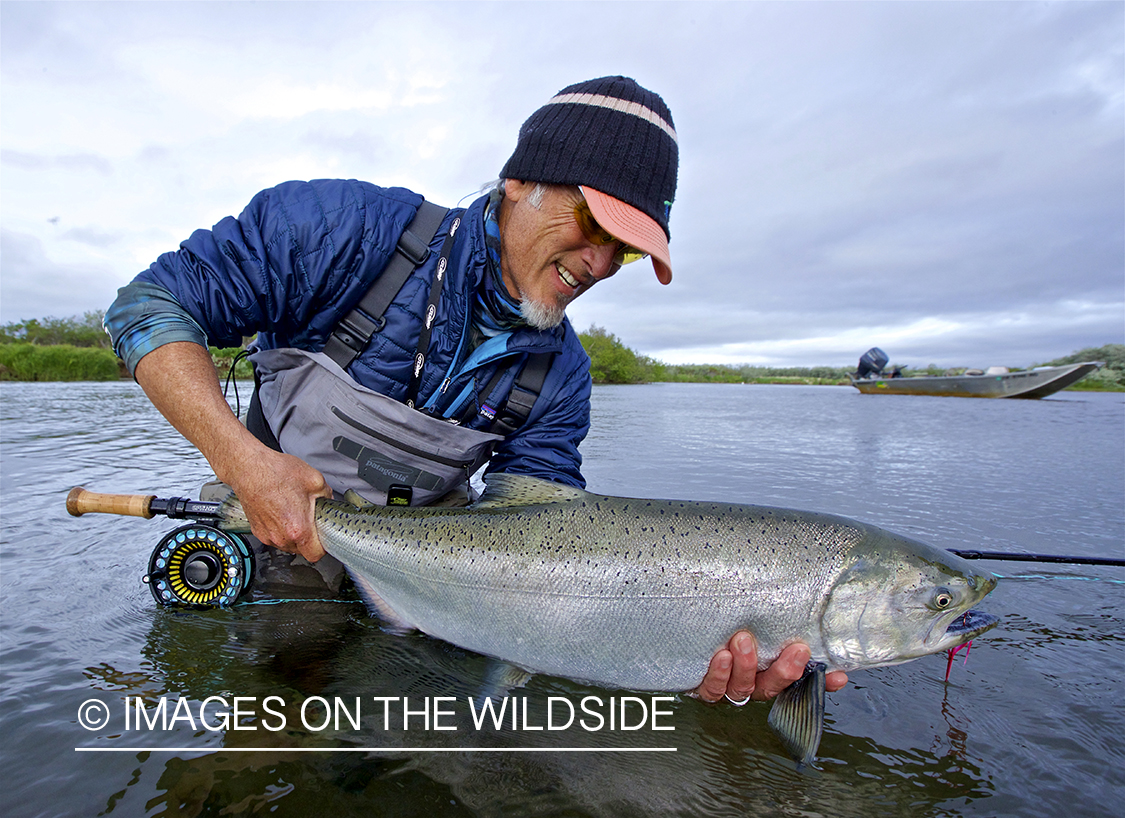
(436, 286)
(528, 385)
(356, 328)
(256, 420)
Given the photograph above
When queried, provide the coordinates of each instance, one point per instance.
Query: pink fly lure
(953, 652)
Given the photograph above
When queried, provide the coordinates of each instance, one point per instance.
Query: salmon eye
(943, 600)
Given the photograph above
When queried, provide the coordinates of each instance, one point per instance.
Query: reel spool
(198, 565)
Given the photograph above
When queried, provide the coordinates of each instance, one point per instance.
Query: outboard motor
(872, 363)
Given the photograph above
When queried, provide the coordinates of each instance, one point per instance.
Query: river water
(1031, 724)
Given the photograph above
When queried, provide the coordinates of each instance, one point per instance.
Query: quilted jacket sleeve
(291, 264)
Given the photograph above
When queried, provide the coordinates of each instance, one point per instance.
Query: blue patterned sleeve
(146, 316)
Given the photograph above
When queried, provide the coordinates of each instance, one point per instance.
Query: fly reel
(200, 566)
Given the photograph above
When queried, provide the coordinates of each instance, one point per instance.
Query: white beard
(541, 316)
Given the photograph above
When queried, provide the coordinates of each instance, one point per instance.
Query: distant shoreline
(27, 363)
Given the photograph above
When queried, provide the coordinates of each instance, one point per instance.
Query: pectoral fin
(500, 680)
(508, 490)
(392, 622)
(798, 714)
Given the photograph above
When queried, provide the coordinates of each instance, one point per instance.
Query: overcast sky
(943, 180)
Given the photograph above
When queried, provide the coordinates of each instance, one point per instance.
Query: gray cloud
(92, 236)
(946, 180)
(75, 162)
(34, 286)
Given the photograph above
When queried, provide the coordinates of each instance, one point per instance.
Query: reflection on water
(1030, 725)
(725, 762)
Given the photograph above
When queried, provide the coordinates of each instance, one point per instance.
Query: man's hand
(278, 493)
(734, 672)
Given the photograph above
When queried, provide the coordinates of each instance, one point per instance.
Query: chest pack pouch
(386, 451)
(360, 439)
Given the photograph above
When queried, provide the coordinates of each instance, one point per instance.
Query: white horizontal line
(615, 104)
(376, 749)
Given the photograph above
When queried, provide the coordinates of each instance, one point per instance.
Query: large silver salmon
(639, 594)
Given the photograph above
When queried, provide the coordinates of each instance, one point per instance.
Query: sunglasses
(597, 234)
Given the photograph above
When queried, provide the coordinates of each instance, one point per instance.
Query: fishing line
(279, 601)
(1057, 576)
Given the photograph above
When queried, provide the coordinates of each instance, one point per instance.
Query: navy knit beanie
(609, 134)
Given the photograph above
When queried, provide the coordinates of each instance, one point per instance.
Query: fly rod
(1002, 555)
(80, 501)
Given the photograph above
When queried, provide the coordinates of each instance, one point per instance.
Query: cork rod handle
(80, 502)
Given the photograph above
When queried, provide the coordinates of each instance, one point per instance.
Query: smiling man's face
(545, 260)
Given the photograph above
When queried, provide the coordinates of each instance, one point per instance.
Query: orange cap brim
(625, 223)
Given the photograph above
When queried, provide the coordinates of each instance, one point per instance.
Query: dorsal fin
(504, 490)
(357, 500)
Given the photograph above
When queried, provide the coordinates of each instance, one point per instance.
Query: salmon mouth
(970, 625)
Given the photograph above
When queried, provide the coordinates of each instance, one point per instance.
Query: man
(589, 188)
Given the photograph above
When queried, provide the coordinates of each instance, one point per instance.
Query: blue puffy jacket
(299, 258)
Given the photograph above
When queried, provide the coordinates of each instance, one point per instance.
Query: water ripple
(1029, 726)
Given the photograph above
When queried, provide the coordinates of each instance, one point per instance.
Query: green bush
(79, 332)
(613, 362)
(713, 373)
(1110, 377)
(61, 362)
(222, 359)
